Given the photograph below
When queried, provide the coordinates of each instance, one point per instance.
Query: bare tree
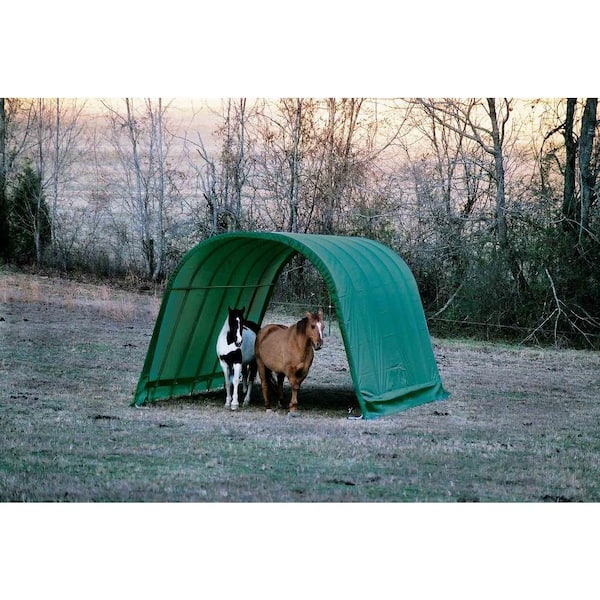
(283, 152)
(569, 203)
(58, 144)
(578, 169)
(137, 135)
(586, 172)
(491, 137)
(222, 173)
(340, 164)
(296, 109)
(234, 157)
(157, 136)
(464, 118)
(498, 124)
(4, 227)
(451, 188)
(318, 155)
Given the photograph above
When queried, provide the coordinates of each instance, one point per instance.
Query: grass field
(522, 424)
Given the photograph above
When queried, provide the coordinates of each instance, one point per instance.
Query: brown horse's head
(315, 328)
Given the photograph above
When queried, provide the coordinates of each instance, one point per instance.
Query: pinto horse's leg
(245, 383)
(248, 393)
(226, 372)
(237, 369)
(249, 373)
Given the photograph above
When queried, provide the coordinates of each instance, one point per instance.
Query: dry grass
(522, 423)
(101, 299)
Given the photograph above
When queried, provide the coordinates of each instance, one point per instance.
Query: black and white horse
(235, 349)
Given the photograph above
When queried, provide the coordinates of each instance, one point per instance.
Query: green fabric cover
(375, 295)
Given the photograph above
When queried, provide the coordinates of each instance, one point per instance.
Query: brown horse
(288, 352)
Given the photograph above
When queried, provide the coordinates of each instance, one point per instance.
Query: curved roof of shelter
(375, 295)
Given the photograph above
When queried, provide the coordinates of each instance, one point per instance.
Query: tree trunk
(160, 252)
(57, 136)
(501, 230)
(501, 225)
(295, 169)
(41, 171)
(238, 175)
(341, 129)
(4, 232)
(141, 192)
(569, 206)
(586, 142)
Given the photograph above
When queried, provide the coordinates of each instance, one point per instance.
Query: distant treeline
(493, 203)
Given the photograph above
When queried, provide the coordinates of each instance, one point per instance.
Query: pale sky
(316, 49)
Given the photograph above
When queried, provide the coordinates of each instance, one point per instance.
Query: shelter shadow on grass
(317, 399)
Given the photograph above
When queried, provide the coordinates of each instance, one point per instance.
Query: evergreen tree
(29, 217)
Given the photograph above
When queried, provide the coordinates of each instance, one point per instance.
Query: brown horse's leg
(280, 378)
(296, 377)
(295, 387)
(265, 376)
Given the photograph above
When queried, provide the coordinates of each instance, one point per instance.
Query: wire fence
(446, 327)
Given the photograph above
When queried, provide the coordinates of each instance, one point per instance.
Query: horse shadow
(316, 398)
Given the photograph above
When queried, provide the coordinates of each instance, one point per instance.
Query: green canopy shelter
(375, 296)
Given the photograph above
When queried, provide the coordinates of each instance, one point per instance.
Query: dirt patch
(521, 425)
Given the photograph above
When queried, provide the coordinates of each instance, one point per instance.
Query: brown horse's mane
(301, 326)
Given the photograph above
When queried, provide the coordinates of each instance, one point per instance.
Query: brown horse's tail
(271, 380)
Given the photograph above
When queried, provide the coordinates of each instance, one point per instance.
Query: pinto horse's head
(315, 328)
(236, 326)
